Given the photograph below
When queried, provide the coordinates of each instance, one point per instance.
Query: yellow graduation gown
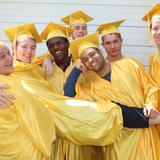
(64, 148)
(154, 64)
(26, 129)
(58, 78)
(130, 85)
(109, 122)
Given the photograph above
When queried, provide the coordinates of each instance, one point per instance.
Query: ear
(68, 43)
(13, 50)
(102, 43)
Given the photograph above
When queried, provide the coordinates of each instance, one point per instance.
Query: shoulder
(153, 57)
(128, 61)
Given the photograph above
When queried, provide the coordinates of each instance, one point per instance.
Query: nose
(158, 31)
(81, 30)
(29, 50)
(56, 47)
(9, 59)
(90, 59)
(112, 45)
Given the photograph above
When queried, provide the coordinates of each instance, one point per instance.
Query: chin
(27, 61)
(6, 72)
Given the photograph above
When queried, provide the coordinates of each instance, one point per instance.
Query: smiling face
(25, 50)
(155, 31)
(93, 59)
(80, 30)
(6, 61)
(58, 47)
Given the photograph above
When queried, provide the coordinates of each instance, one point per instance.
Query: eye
(155, 28)
(33, 47)
(2, 56)
(84, 60)
(84, 28)
(92, 54)
(76, 28)
(24, 46)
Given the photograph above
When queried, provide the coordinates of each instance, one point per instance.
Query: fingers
(81, 66)
(6, 95)
(151, 112)
(3, 86)
(5, 100)
(145, 112)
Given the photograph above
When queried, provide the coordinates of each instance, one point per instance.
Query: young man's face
(6, 61)
(58, 47)
(155, 31)
(25, 50)
(112, 43)
(80, 30)
(93, 59)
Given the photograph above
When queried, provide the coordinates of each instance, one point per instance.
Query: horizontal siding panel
(54, 12)
(91, 2)
(134, 31)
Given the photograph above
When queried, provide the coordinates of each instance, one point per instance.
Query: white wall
(134, 31)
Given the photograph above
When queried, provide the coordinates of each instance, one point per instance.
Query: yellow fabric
(130, 85)
(25, 30)
(75, 120)
(38, 59)
(58, 77)
(111, 27)
(77, 17)
(79, 45)
(24, 134)
(153, 13)
(154, 64)
(32, 70)
(55, 30)
(64, 148)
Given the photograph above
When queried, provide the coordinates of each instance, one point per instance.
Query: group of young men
(76, 67)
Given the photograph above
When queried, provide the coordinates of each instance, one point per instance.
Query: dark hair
(118, 35)
(150, 26)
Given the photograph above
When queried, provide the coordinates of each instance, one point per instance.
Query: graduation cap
(81, 44)
(25, 30)
(55, 30)
(78, 17)
(112, 27)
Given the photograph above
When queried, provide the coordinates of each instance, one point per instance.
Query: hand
(5, 98)
(150, 111)
(81, 66)
(48, 67)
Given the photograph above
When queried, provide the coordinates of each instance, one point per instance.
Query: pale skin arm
(154, 121)
(5, 98)
(48, 66)
(150, 111)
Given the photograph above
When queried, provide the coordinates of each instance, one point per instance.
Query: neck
(63, 64)
(114, 58)
(105, 70)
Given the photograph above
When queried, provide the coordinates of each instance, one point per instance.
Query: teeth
(58, 52)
